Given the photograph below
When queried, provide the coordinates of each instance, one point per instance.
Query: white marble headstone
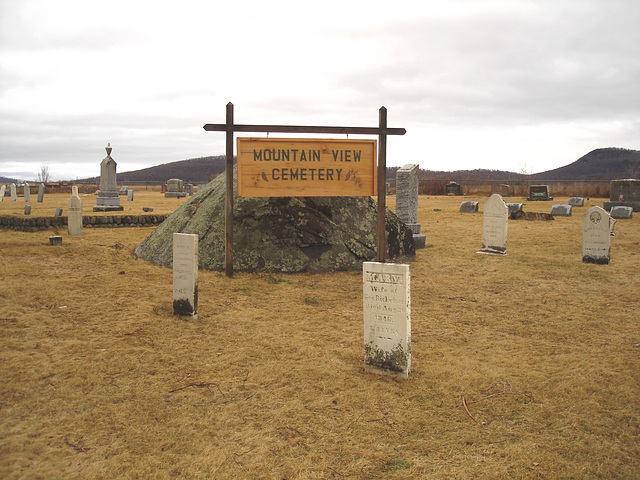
(185, 275)
(74, 214)
(3, 189)
(130, 195)
(41, 193)
(27, 192)
(387, 318)
(14, 193)
(494, 225)
(596, 236)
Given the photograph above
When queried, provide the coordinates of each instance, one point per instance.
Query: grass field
(523, 366)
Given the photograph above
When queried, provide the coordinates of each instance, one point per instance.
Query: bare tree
(43, 175)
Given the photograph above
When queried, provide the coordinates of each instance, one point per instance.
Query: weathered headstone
(27, 192)
(14, 193)
(494, 226)
(55, 240)
(74, 209)
(41, 193)
(539, 192)
(175, 188)
(576, 202)
(387, 318)
(130, 195)
(407, 201)
(108, 199)
(469, 207)
(596, 236)
(514, 207)
(621, 212)
(3, 190)
(561, 210)
(501, 189)
(58, 212)
(27, 209)
(624, 193)
(188, 189)
(123, 190)
(185, 275)
(453, 188)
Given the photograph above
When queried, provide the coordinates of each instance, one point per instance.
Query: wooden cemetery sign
(321, 173)
(282, 167)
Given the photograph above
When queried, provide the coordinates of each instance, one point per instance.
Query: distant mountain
(195, 170)
(603, 164)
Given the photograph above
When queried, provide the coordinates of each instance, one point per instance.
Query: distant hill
(603, 164)
(195, 170)
(7, 180)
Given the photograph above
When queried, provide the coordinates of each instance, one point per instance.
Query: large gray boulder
(293, 234)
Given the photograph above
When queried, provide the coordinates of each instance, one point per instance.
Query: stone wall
(32, 224)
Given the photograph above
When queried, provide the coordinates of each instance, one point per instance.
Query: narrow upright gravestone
(407, 201)
(3, 189)
(27, 209)
(41, 193)
(494, 226)
(14, 193)
(27, 192)
(74, 208)
(387, 318)
(108, 199)
(130, 195)
(596, 236)
(185, 275)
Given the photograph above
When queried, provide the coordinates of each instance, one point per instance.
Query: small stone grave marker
(147, 209)
(41, 193)
(58, 212)
(55, 240)
(27, 192)
(621, 212)
(27, 209)
(185, 275)
(576, 202)
(561, 210)
(123, 190)
(14, 193)
(130, 195)
(596, 236)
(469, 207)
(74, 220)
(3, 190)
(494, 226)
(387, 318)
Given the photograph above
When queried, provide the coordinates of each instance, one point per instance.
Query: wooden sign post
(258, 174)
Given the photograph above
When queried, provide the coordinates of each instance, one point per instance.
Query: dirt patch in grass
(523, 366)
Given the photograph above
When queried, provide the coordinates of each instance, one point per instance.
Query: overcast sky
(512, 85)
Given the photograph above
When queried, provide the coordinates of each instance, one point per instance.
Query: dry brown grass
(100, 380)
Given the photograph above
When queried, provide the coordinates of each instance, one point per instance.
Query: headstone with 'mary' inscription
(387, 318)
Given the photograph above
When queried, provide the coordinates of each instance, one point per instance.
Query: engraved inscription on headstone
(185, 275)
(596, 236)
(387, 318)
(74, 209)
(494, 225)
(41, 193)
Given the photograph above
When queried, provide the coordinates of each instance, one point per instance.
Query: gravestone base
(539, 198)
(419, 240)
(108, 208)
(174, 194)
(492, 252)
